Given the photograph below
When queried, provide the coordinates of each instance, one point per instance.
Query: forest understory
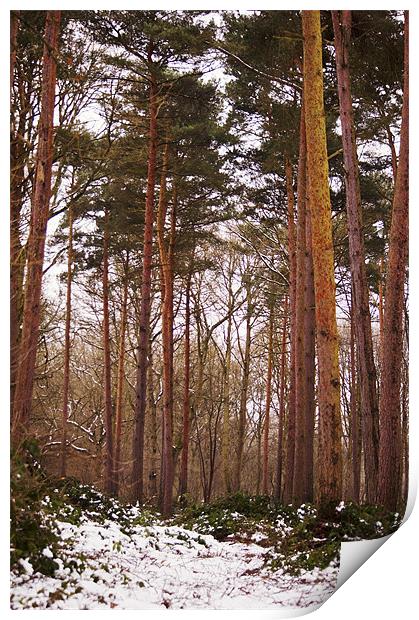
(161, 565)
(75, 548)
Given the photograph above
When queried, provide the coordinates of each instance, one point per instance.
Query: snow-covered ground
(164, 566)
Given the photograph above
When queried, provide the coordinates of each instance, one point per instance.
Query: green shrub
(315, 538)
(33, 536)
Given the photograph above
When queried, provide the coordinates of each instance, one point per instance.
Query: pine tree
(36, 242)
(362, 318)
(329, 452)
(300, 491)
(391, 360)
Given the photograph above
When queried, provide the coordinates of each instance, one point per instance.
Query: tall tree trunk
(166, 249)
(152, 405)
(241, 435)
(259, 459)
(355, 422)
(310, 364)
(17, 267)
(107, 387)
(265, 484)
(18, 160)
(66, 380)
(391, 362)
(405, 435)
(183, 482)
(381, 302)
(119, 405)
(14, 27)
(360, 302)
(278, 477)
(329, 487)
(226, 438)
(394, 163)
(168, 369)
(137, 481)
(290, 437)
(37, 233)
(299, 482)
(16, 169)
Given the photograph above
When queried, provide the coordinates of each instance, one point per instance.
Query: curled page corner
(354, 554)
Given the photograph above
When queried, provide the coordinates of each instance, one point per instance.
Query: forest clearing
(209, 309)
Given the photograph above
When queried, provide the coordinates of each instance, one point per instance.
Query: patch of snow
(340, 507)
(26, 565)
(165, 566)
(258, 536)
(47, 552)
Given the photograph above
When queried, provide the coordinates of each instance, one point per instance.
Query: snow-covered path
(158, 566)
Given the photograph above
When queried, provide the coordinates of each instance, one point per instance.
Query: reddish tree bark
(137, 481)
(290, 438)
(360, 302)
(355, 422)
(14, 27)
(381, 303)
(299, 477)
(37, 232)
(310, 366)
(154, 458)
(392, 351)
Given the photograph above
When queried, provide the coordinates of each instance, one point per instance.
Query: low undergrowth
(33, 535)
(295, 538)
(39, 502)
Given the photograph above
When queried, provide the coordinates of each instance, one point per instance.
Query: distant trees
(67, 342)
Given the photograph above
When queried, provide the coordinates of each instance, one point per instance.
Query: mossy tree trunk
(329, 487)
